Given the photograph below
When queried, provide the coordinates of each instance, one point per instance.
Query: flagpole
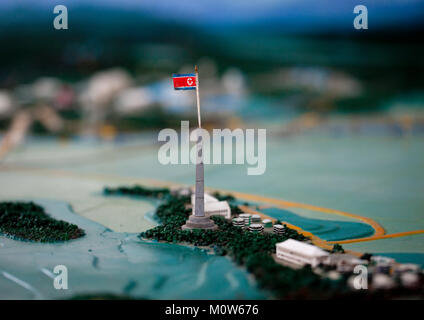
(199, 209)
(198, 220)
(197, 96)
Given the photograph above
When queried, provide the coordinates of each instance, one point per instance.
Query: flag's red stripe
(181, 82)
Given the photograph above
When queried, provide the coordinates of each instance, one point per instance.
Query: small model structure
(221, 208)
(407, 268)
(300, 253)
(278, 229)
(344, 262)
(410, 280)
(256, 218)
(238, 222)
(382, 281)
(246, 217)
(214, 207)
(267, 223)
(256, 228)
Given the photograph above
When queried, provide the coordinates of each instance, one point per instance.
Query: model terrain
(29, 221)
(256, 252)
(113, 260)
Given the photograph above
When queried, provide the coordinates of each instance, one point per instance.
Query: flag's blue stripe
(178, 75)
(185, 88)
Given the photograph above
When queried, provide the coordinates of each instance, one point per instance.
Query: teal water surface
(406, 257)
(330, 230)
(119, 263)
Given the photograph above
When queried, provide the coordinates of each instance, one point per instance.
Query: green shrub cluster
(221, 197)
(173, 211)
(137, 191)
(26, 220)
(285, 282)
(337, 248)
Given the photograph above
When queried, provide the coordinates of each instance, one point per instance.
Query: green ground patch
(28, 221)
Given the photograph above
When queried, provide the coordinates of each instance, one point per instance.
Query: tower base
(195, 222)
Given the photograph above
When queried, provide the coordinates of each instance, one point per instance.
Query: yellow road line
(386, 236)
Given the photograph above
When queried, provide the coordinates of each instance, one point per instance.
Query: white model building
(220, 208)
(407, 267)
(300, 253)
(214, 207)
(382, 260)
(208, 198)
(344, 262)
(410, 280)
(382, 281)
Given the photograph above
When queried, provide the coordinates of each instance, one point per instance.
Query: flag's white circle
(189, 81)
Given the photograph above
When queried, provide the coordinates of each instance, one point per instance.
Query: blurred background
(289, 66)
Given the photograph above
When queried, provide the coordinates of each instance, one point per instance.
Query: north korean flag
(185, 81)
